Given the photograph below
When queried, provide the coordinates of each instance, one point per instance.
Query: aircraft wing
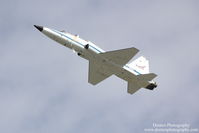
(120, 57)
(97, 73)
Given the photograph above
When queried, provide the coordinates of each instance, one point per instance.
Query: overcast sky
(43, 85)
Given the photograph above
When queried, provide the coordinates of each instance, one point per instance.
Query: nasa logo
(141, 67)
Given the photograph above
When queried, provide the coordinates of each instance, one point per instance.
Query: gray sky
(43, 85)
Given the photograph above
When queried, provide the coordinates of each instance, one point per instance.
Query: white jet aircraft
(104, 64)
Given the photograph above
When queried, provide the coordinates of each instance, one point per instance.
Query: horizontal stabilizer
(133, 87)
(147, 77)
(120, 57)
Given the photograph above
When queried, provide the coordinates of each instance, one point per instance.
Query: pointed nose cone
(40, 28)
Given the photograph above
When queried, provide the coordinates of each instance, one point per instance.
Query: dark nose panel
(40, 28)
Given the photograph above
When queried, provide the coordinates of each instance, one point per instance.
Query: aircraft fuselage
(93, 53)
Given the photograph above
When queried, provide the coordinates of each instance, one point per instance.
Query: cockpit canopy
(63, 31)
(76, 35)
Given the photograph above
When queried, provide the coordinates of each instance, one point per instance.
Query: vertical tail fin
(141, 65)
